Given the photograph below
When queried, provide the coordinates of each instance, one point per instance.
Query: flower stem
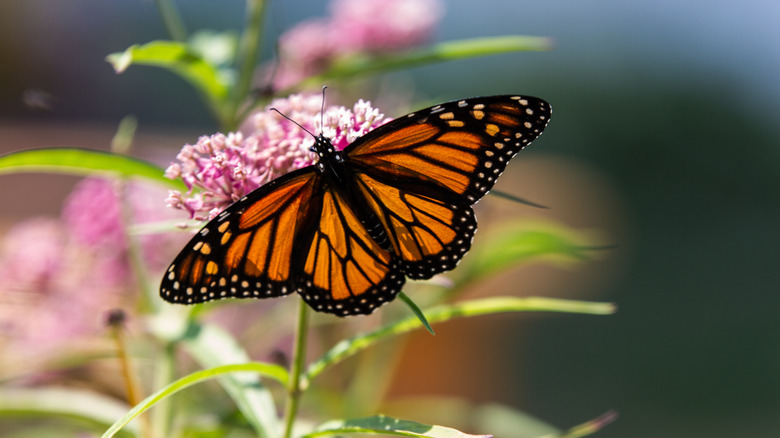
(163, 374)
(172, 20)
(247, 57)
(294, 390)
(116, 321)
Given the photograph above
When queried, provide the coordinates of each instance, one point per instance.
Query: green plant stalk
(172, 20)
(149, 302)
(294, 389)
(361, 65)
(247, 58)
(163, 373)
(443, 313)
(131, 384)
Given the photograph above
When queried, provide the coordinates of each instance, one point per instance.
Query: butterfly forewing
(252, 248)
(462, 146)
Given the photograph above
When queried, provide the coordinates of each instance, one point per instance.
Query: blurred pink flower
(354, 26)
(93, 215)
(381, 25)
(51, 290)
(227, 167)
(58, 278)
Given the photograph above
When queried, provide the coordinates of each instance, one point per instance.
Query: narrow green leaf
(273, 371)
(384, 425)
(486, 306)
(445, 51)
(500, 420)
(515, 198)
(74, 161)
(178, 58)
(518, 242)
(503, 420)
(77, 405)
(591, 427)
(212, 346)
(417, 312)
(125, 133)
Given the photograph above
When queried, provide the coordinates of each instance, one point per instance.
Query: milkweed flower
(226, 167)
(381, 25)
(353, 27)
(58, 277)
(52, 291)
(93, 216)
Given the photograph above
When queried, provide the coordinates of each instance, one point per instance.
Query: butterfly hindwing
(346, 272)
(252, 248)
(429, 232)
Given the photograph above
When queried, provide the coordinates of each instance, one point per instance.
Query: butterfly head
(327, 154)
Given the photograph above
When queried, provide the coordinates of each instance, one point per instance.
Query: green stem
(247, 56)
(172, 20)
(149, 300)
(163, 374)
(131, 383)
(294, 389)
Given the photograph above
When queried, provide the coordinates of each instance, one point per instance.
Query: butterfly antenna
(298, 124)
(322, 109)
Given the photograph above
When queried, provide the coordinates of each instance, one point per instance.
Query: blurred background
(664, 141)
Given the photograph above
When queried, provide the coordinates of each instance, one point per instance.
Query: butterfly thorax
(333, 165)
(330, 161)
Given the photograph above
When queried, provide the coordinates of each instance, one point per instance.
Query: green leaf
(269, 370)
(384, 425)
(74, 161)
(507, 421)
(486, 306)
(516, 198)
(79, 406)
(213, 347)
(519, 242)
(499, 420)
(216, 48)
(178, 58)
(417, 312)
(361, 64)
(591, 427)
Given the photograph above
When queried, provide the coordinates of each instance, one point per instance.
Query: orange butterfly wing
(293, 234)
(252, 249)
(420, 174)
(346, 272)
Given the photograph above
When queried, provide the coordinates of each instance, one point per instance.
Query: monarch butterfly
(346, 232)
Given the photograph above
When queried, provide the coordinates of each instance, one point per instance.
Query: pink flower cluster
(354, 26)
(58, 278)
(227, 167)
